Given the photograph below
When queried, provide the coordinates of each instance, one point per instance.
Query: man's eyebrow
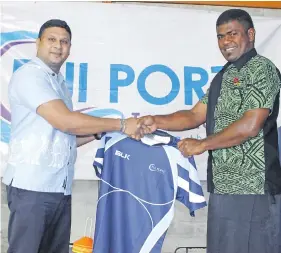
(220, 35)
(233, 30)
(54, 35)
(228, 32)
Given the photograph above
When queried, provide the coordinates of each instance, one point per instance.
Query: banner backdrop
(126, 60)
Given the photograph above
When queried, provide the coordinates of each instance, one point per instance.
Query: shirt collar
(245, 58)
(46, 67)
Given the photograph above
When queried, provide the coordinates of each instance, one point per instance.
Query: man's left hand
(189, 147)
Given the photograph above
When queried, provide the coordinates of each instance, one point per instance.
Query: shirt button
(70, 147)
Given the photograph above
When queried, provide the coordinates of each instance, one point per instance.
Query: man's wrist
(97, 136)
(122, 125)
(155, 120)
(204, 144)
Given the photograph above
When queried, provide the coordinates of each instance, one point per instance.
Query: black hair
(54, 23)
(239, 15)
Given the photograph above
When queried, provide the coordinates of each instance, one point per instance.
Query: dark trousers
(244, 224)
(39, 222)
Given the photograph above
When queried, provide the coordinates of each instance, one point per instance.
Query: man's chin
(230, 57)
(56, 62)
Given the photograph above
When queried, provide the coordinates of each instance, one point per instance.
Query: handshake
(137, 127)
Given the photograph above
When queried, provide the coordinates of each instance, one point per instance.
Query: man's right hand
(137, 128)
(147, 124)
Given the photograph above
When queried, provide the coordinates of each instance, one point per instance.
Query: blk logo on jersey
(152, 167)
(122, 155)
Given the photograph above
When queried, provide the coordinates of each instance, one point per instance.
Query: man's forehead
(229, 26)
(56, 31)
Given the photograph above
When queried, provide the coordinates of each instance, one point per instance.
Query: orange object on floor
(83, 245)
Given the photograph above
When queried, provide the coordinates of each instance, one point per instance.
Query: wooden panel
(250, 4)
(253, 4)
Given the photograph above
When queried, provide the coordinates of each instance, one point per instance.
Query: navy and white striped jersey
(140, 182)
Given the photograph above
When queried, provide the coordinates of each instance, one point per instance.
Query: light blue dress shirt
(41, 158)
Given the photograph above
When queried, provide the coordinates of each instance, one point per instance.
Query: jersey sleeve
(189, 190)
(98, 161)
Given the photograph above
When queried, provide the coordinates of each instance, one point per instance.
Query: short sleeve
(99, 157)
(32, 87)
(204, 99)
(190, 192)
(265, 87)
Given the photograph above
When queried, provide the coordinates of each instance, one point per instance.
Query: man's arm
(256, 108)
(178, 121)
(248, 126)
(76, 123)
(44, 101)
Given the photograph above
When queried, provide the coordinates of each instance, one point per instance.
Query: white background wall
(183, 231)
(137, 35)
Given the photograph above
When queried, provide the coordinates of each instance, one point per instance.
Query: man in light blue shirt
(44, 135)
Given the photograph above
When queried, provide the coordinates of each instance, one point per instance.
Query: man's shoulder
(28, 68)
(262, 61)
(263, 68)
(29, 72)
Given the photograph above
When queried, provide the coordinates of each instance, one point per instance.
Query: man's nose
(57, 44)
(226, 40)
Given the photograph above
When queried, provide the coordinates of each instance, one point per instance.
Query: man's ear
(251, 34)
(37, 43)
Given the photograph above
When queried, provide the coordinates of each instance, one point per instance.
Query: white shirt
(41, 158)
